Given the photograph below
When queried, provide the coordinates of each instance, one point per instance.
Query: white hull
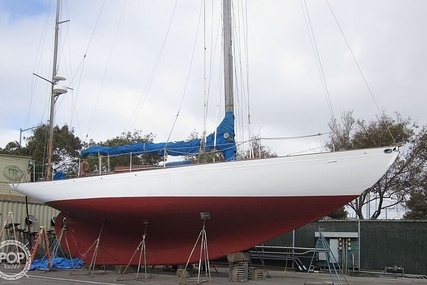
(325, 174)
(249, 202)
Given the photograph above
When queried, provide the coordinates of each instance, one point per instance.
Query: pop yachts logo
(14, 260)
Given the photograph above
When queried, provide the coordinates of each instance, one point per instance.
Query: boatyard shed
(398, 246)
(12, 170)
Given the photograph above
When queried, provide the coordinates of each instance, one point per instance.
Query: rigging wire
(188, 74)
(63, 37)
(311, 149)
(318, 59)
(36, 67)
(212, 57)
(242, 76)
(251, 150)
(106, 68)
(294, 137)
(220, 82)
(70, 71)
(205, 93)
(144, 94)
(239, 89)
(358, 67)
(34, 81)
(81, 67)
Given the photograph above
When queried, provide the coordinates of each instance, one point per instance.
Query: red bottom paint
(174, 224)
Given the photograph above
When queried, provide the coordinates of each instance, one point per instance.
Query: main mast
(56, 90)
(228, 56)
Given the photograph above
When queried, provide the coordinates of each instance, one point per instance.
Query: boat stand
(10, 227)
(91, 268)
(39, 238)
(143, 251)
(204, 254)
(334, 272)
(56, 245)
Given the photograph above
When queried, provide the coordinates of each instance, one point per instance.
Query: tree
(417, 201)
(257, 150)
(384, 131)
(65, 154)
(392, 188)
(417, 205)
(204, 156)
(66, 147)
(339, 214)
(13, 148)
(125, 160)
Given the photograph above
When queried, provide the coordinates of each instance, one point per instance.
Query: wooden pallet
(256, 273)
(239, 271)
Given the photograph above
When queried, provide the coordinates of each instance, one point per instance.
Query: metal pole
(293, 248)
(358, 239)
(228, 56)
(52, 95)
(23, 130)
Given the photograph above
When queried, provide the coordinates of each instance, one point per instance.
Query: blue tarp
(57, 263)
(224, 138)
(224, 143)
(59, 175)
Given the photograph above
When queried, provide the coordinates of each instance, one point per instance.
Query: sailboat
(240, 203)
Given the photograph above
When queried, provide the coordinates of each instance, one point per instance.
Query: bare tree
(257, 150)
(393, 188)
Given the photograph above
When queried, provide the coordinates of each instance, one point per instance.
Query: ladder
(335, 271)
(42, 234)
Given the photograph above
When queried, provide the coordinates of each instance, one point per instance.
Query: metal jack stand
(9, 219)
(204, 254)
(142, 248)
(11, 230)
(95, 252)
(57, 242)
(330, 259)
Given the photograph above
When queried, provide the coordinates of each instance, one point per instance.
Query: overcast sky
(127, 74)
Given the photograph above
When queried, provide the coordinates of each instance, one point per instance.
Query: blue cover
(59, 175)
(57, 263)
(224, 143)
